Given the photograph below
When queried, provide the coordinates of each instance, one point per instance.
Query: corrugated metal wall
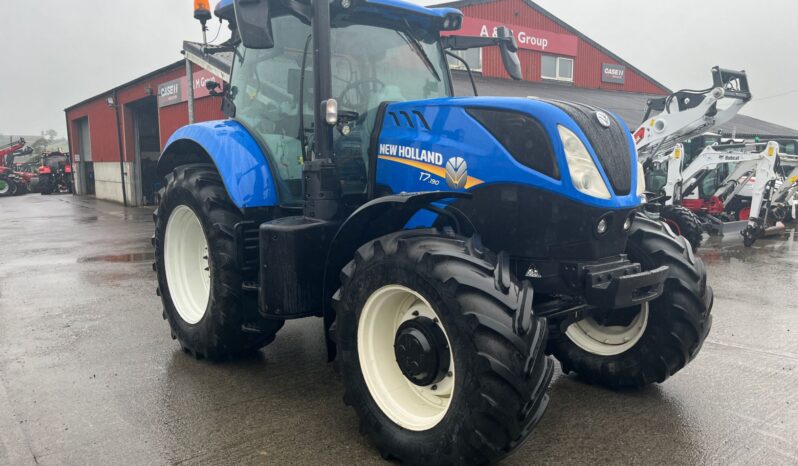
(587, 63)
(175, 116)
(102, 129)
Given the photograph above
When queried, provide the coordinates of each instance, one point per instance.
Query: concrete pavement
(89, 374)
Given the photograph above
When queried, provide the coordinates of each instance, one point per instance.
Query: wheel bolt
(434, 387)
(415, 313)
(449, 374)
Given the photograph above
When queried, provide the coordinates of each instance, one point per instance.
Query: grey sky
(57, 53)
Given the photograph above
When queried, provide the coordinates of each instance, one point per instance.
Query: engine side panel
(237, 156)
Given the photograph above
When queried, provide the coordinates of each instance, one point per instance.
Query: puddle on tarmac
(133, 257)
(725, 249)
(86, 219)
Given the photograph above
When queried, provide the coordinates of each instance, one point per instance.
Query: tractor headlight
(641, 180)
(584, 172)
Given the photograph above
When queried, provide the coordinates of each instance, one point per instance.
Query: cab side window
(266, 94)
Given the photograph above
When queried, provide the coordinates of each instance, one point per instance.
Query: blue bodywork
(454, 133)
(238, 157)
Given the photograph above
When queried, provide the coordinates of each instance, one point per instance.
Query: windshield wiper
(419, 50)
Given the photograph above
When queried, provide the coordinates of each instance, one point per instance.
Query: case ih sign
(530, 39)
(175, 91)
(611, 73)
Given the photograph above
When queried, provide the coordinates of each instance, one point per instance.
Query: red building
(549, 49)
(137, 117)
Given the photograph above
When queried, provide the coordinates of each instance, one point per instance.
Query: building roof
(627, 105)
(569, 28)
(132, 82)
(744, 126)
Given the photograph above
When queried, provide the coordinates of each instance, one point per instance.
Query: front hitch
(618, 286)
(611, 283)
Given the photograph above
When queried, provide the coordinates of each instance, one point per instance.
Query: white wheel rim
(187, 266)
(408, 405)
(610, 340)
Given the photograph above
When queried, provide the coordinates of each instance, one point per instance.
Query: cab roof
(428, 18)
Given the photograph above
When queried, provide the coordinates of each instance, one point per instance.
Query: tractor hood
(463, 143)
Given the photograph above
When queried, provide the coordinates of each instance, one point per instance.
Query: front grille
(610, 144)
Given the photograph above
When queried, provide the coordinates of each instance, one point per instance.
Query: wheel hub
(421, 351)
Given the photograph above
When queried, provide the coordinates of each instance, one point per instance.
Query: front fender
(239, 159)
(376, 218)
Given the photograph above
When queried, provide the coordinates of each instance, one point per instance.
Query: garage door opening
(148, 149)
(85, 164)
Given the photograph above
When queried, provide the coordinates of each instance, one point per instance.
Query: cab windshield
(370, 65)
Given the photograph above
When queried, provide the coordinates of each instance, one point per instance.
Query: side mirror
(509, 52)
(254, 23)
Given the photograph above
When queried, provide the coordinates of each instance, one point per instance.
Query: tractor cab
(272, 90)
(379, 51)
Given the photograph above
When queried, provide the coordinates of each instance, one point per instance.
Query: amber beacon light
(202, 10)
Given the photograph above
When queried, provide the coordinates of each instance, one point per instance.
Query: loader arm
(686, 114)
(765, 176)
(10, 149)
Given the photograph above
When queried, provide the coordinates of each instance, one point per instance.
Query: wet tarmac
(89, 374)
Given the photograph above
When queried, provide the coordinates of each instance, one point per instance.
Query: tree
(51, 134)
(40, 145)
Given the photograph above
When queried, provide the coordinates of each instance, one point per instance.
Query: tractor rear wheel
(45, 185)
(199, 281)
(635, 347)
(441, 354)
(684, 222)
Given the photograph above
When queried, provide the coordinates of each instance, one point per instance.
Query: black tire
(496, 341)
(12, 188)
(46, 186)
(684, 222)
(678, 321)
(9, 188)
(231, 325)
(22, 189)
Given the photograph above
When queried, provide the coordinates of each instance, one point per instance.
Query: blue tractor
(451, 245)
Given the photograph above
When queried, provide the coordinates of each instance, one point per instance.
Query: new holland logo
(603, 119)
(456, 173)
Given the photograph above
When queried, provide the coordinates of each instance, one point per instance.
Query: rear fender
(236, 154)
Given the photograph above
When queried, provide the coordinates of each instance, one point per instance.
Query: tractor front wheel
(441, 354)
(199, 281)
(631, 348)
